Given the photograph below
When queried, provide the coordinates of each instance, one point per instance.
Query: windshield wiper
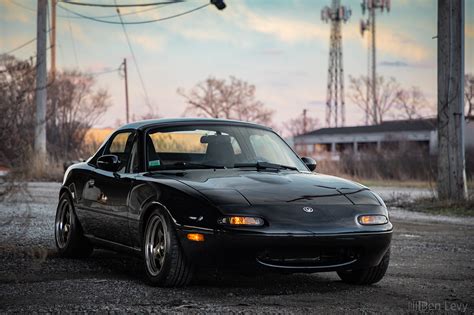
(266, 165)
(196, 165)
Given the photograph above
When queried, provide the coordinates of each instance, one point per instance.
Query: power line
(22, 6)
(137, 22)
(120, 5)
(102, 72)
(134, 58)
(20, 47)
(73, 42)
(96, 17)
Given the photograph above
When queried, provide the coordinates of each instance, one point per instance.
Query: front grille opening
(308, 257)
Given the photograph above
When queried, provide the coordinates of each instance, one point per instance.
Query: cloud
(17, 13)
(291, 30)
(398, 44)
(401, 45)
(285, 29)
(203, 34)
(149, 43)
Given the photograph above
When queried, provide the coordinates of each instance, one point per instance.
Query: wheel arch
(148, 209)
(64, 189)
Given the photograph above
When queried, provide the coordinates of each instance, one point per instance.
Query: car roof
(150, 123)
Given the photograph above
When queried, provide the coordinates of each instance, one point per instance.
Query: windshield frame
(199, 124)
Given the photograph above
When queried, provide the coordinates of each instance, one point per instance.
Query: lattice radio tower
(369, 25)
(335, 111)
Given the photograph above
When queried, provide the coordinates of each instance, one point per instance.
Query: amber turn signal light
(195, 237)
(238, 220)
(372, 219)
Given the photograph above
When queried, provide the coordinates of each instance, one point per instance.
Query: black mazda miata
(190, 193)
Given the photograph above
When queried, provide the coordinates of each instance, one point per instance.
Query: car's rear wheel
(68, 234)
(165, 262)
(368, 275)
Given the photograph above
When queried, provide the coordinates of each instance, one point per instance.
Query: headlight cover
(372, 219)
(241, 221)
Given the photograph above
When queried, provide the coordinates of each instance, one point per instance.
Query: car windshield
(218, 146)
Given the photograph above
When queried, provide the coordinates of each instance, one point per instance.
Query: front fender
(184, 205)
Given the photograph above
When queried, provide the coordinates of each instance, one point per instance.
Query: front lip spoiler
(303, 235)
(306, 267)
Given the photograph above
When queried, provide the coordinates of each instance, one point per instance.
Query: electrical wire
(19, 47)
(134, 58)
(102, 72)
(96, 17)
(137, 22)
(73, 42)
(120, 5)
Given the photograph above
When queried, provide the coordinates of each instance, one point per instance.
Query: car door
(109, 191)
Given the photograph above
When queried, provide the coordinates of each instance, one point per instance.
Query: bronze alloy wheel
(163, 257)
(155, 245)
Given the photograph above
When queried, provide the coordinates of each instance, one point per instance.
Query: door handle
(90, 183)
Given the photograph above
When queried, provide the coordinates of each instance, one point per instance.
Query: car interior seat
(219, 150)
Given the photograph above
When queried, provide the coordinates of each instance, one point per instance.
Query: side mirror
(310, 163)
(109, 162)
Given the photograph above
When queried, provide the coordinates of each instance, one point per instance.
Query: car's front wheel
(70, 240)
(368, 275)
(165, 262)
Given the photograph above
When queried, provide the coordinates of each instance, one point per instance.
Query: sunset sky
(281, 46)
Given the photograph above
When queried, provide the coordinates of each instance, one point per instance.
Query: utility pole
(41, 79)
(125, 73)
(53, 40)
(451, 122)
(305, 121)
(335, 89)
(371, 6)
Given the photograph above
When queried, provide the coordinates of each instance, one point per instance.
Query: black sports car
(190, 193)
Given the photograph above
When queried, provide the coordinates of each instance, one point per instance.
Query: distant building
(328, 143)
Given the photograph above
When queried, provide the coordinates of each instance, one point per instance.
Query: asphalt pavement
(431, 269)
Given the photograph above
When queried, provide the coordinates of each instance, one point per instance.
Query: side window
(121, 145)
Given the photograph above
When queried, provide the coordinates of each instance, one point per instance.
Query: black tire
(367, 275)
(68, 234)
(164, 260)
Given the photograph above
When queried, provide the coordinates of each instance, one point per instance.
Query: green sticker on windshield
(154, 163)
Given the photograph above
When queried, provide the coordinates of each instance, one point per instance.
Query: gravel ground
(431, 269)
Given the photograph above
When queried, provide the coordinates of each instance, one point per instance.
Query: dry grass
(42, 169)
(434, 206)
(332, 168)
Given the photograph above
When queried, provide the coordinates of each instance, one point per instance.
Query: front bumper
(310, 252)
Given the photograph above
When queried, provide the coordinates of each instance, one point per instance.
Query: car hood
(225, 187)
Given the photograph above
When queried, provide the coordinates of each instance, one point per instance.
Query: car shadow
(107, 264)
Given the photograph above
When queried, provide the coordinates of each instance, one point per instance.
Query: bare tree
(73, 108)
(410, 103)
(386, 96)
(469, 93)
(17, 80)
(301, 124)
(218, 98)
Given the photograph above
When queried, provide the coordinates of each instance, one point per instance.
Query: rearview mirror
(109, 162)
(310, 163)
